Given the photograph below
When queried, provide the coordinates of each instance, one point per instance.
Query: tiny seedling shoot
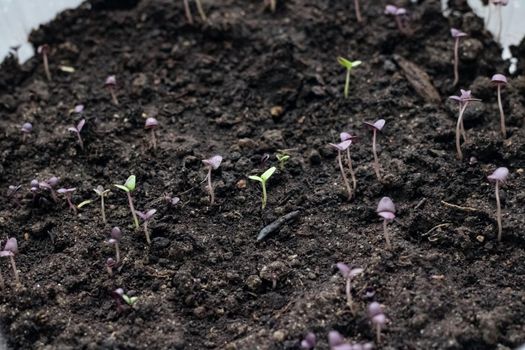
(341, 147)
(457, 35)
(151, 124)
(110, 265)
(146, 217)
(376, 126)
(116, 236)
(111, 84)
(26, 130)
(10, 250)
(400, 15)
(499, 4)
(344, 137)
(500, 81)
(463, 99)
(101, 192)
(187, 10)
(128, 187)
(50, 185)
(44, 51)
(212, 163)
(282, 158)
(309, 342)
(387, 210)
(358, 11)
(348, 274)
(263, 179)
(129, 300)
(348, 65)
(68, 192)
(499, 176)
(77, 129)
(378, 318)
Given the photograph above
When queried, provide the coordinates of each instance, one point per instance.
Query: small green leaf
(282, 157)
(126, 299)
(266, 175)
(86, 202)
(255, 178)
(123, 188)
(344, 62)
(356, 63)
(130, 183)
(133, 300)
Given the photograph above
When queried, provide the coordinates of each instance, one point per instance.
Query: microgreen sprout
(77, 129)
(341, 147)
(110, 265)
(10, 250)
(212, 163)
(111, 84)
(463, 100)
(171, 200)
(377, 317)
(116, 236)
(50, 185)
(399, 14)
(282, 158)
(387, 210)
(128, 187)
(44, 51)
(68, 192)
(146, 217)
(101, 192)
(130, 300)
(500, 81)
(348, 274)
(457, 35)
(309, 342)
(358, 11)
(12, 192)
(26, 130)
(348, 65)
(187, 10)
(499, 176)
(337, 342)
(499, 4)
(263, 179)
(344, 136)
(151, 124)
(376, 126)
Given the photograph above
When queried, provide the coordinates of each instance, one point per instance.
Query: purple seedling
(344, 137)
(341, 147)
(348, 274)
(457, 35)
(500, 81)
(116, 236)
(101, 192)
(151, 124)
(358, 11)
(68, 192)
(376, 126)
(44, 51)
(309, 342)
(26, 130)
(499, 4)
(337, 342)
(378, 318)
(146, 217)
(463, 100)
(399, 14)
(10, 250)
(130, 300)
(110, 265)
(78, 109)
(111, 84)
(212, 163)
(387, 210)
(50, 185)
(499, 176)
(77, 129)
(128, 187)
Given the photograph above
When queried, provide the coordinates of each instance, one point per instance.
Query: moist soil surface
(244, 85)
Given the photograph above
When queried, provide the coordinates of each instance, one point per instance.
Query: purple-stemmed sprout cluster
(212, 163)
(76, 130)
(348, 274)
(463, 100)
(401, 16)
(146, 217)
(499, 177)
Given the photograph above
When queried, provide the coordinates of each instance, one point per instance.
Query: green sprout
(282, 158)
(348, 65)
(262, 179)
(102, 193)
(130, 300)
(128, 187)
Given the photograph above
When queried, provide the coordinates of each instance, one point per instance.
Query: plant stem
(501, 114)
(354, 181)
(132, 208)
(113, 96)
(358, 11)
(146, 232)
(349, 300)
(263, 194)
(117, 252)
(2, 283)
(210, 187)
(458, 130)
(378, 333)
(376, 159)
(273, 5)
(347, 83)
(187, 10)
(456, 62)
(500, 22)
(15, 271)
(498, 211)
(201, 11)
(400, 25)
(46, 68)
(343, 175)
(71, 205)
(103, 208)
(80, 142)
(387, 236)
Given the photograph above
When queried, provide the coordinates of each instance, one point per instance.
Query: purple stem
(146, 232)
(103, 208)
(187, 10)
(376, 160)
(117, 252)
(210, 187)
(501, 114)
(46, 67)
(358, 11)
(80, 142)
(132, 208)
(71, 205)
(343, 174)
(354, 181)
(387, 236)
(153, 139)
(498, 211)
(458, 130)
(113, 95)
(15, 271)
(456, 62)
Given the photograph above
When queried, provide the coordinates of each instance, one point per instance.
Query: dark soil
(205, 282)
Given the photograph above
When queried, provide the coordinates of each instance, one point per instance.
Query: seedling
(151, 124)
(387, 210)
(358, 11)
(272, 4)
(12, 192)
(77, 129)
(10, 250)
(50, 185)
(399, 14)
(463, 100)
(111, 84)
(78, 109)
(116, 236)
(500, 81)
(376, 126)
(337, 342)
(348, 65)
(26, 130)
(377, 317)
(146, 217)
(187, 10)
(282, 158)
(344, 137)
(102, 193)
(348, 274)
(263, 179)
(128, 187)
(309, 341)
(212, 163)
(44, 51)
(171, 200)
(110, 265)
(130, 300)
(341, 147)
(457, 35)
(499, 176)
(499, 4)
(68, 192)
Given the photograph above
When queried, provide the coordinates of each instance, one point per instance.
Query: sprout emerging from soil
(128, 187)
(309, 341)
(263, 179)
(457, 35)
(337, 342)
(387, 210)
(348, 65)
(110, 265)
(282, 158)
(101, 192)
(77, 129)
(344, 137)
(499, 4)
(500, 81)
(68, 192)
(399, 14)
(151, 124)
(50, 185)
(341, 147)
(358, 11)
(377, 317)
(130, 300)
(146, 217)
(348, 274)
(10, 250)
(116, 236)
(26, 130)
(212, 163)
(499, 176)
(376, 126)
(463, 99)
(111, 84)
(187, 10)
(44, 51)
